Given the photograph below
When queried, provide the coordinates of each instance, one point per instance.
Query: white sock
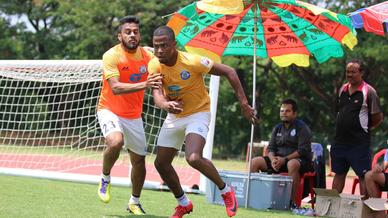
(225, 189)
(105, 177)
(183, 200)
(134, 200)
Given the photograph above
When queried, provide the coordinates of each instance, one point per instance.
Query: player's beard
(131, 46)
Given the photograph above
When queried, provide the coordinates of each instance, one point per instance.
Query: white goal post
(48, 125)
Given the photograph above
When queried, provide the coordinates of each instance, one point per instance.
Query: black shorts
(358, 157)
(305, 166)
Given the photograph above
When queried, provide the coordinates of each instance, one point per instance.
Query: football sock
(105, 177)
(225, 189)
(183, 200)
(134, 200)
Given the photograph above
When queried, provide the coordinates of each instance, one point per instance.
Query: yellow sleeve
(202, 64)
(110, 61)
(153, 66)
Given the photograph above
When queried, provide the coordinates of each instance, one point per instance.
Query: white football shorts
(132, 130)
(174, 130)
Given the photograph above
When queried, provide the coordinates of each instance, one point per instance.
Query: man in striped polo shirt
(359, 112)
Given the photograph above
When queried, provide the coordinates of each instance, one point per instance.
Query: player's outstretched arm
(119, 88)
(231, 75)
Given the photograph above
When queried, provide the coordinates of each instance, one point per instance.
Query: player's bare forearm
(174, 107)
(119, 88)
(231, 75)
(159, 99)
(125, 88)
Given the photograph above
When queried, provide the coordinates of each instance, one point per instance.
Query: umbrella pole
(253, 103)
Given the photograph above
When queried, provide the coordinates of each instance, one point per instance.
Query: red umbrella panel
(373, 19)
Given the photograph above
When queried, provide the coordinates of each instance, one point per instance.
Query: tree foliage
(59, 29)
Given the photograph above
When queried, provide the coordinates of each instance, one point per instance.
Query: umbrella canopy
(221, 6)
(287, 31)
(372, 19)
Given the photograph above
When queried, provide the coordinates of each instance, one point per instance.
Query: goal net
(49, 129)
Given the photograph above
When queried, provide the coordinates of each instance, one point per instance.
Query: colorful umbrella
(372, 19)
(287, 31)
(221, 6)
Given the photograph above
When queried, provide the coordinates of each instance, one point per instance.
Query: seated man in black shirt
(289, 147)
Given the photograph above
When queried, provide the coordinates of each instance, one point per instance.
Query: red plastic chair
(300, 189)
(377, 156)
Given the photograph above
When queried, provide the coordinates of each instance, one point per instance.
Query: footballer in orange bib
(130, 68)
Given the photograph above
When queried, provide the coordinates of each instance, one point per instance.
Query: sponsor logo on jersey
(143, 69)
(206, 62)
(174, 88)
(136, 77)
(125, 68)
(173, 91)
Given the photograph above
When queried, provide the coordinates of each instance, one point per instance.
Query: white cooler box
(265, 191)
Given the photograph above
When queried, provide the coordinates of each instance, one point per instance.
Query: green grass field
(28, 197)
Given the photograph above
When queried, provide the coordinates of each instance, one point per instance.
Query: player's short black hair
(128, 19)
(165, 31)
(357, 61)
(292, 102)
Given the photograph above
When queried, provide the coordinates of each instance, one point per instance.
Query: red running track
(88, 166)
(91, 166)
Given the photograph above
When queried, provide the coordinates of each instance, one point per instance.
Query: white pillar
(208, 150)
